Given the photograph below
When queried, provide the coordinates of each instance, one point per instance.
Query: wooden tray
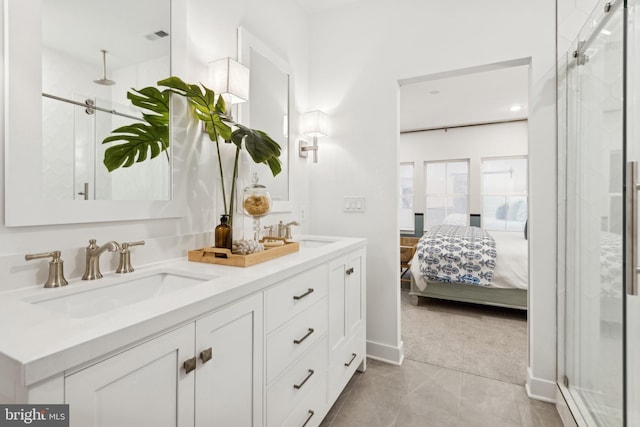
(225, 257)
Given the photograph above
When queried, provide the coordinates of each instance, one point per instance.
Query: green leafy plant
(145, 139)
(152, 135)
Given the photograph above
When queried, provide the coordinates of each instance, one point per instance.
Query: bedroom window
(406, 196)
(447, 192)
(504, 193)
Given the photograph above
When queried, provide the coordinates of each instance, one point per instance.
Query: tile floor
(419, 394)
(487, 341)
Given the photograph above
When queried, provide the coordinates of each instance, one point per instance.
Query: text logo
(34, 415)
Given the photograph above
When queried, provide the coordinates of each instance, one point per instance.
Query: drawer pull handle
(206, 355)
(353, 357)
(304, 337)
(299, 386)
(189, 365)
(297, 297)
(350, 271)
(308, 418)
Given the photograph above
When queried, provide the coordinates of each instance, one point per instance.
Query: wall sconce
(314, 124)
(229, 79)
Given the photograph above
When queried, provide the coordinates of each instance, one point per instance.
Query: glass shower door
(632, 364)
(595, 219)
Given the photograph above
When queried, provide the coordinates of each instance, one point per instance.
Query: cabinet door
(229, 384)
(354, 292)
(337, 303)
(143, 386)
(346, 298)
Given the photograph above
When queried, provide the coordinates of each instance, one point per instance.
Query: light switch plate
(353, 204)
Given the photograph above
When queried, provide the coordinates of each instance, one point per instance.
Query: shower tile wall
(59, 73)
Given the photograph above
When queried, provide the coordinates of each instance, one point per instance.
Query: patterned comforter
(452, 253)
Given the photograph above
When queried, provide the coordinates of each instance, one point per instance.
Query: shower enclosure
(599, 373)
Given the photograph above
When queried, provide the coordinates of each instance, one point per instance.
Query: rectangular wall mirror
(268, 109)
(69, 65)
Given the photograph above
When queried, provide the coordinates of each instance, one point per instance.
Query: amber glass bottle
(224, 238)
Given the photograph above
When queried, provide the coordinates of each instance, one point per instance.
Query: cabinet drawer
(294, 295)
(311, 410)
(294, 337)
(299, 380)
(344, 363)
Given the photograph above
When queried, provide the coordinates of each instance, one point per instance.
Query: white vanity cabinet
(208, 371)
(266, 346)
(347, 341)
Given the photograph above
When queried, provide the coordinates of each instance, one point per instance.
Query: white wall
(212, 34)
(468, 143)
(359, 54)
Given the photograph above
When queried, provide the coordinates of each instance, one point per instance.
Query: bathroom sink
(97, 300)
(314, 242)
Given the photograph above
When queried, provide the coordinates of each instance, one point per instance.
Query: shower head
(104, 80)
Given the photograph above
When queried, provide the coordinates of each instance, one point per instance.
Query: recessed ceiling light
(434, 92)
(515, 108)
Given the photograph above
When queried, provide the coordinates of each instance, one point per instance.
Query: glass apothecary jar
(257, 203)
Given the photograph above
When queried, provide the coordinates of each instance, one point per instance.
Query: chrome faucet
(92, 266)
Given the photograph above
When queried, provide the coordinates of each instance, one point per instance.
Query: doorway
(463, 160)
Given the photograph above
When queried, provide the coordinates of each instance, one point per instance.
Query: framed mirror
(268, 109)
(68, 68)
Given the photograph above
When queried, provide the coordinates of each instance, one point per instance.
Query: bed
(469, 264)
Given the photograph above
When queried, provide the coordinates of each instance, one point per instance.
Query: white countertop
(37, 342)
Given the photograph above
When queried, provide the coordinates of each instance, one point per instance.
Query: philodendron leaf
(175, 83)
(142, 140)
(207, 109)
(260, 147)
(221, 106)
(193, 93)
(152, 99)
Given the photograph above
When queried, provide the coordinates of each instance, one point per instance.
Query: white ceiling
(478, 97)
(81, 28)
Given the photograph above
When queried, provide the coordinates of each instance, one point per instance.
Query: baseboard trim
(540, 389)
(386, 353)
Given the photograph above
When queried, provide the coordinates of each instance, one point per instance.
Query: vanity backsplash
(17, 273)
